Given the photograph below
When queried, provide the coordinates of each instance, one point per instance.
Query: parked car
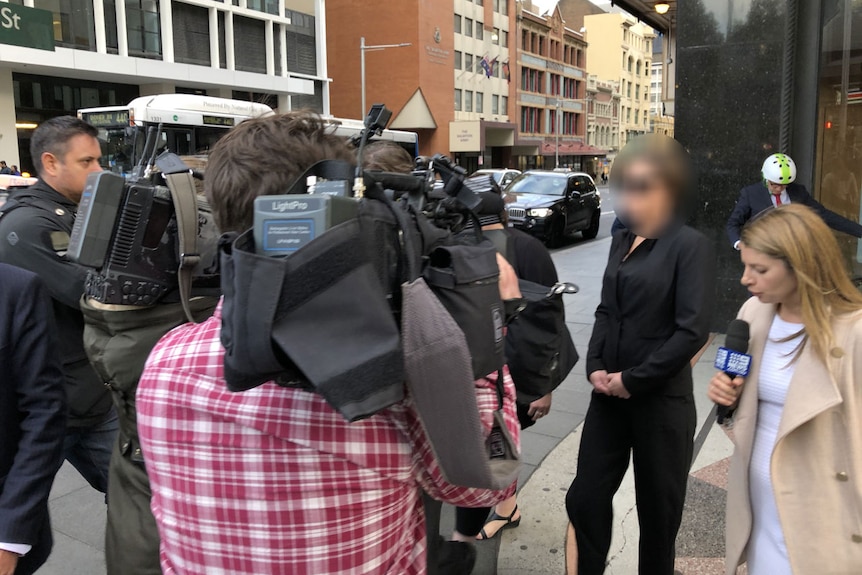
(502, 176)
(553, 205)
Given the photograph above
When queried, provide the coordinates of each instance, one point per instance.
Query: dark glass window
(191, 27)
(249, 46)
(74, 25)
(268, 6)
(143, 26)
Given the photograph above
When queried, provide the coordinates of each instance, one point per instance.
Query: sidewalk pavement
(550, 450)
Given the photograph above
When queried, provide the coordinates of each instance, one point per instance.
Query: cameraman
(273, 480)
(35, 225)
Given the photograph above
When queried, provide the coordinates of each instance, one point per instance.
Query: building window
(638, 68)
(495, 37)
(268, 6)
(111, 40)
(301, 45)
(468, 101)
(249, 44)
(458, 62)
(504, 105)
(457, 23)
(468, 27)
(495, 104)
(504, 7)
(74, 24)
(144, 29)
(638, 92)
(468, 62)
(530, 120)
(480, 31)
(480, 102)
(504, 39)
(191, 27)
(631, 63)
(457, 100)
(541, 45)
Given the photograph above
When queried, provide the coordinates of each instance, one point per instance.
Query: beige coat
(817, 461)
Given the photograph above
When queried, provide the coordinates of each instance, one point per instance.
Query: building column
(214, 36)
(99, 22)
(320, 41)
(157, 88)
(269, 42)
(122, 30)
(230, 60)
(221, 93)
(8, 132)
(167, 23)
(284, 103)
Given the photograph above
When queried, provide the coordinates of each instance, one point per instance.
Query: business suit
(32, 415)
(755, 198)
(816, 466)
(652, 320)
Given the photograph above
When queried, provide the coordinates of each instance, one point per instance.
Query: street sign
(27, 27)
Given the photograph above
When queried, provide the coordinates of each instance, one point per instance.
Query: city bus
(191, 125)
(350, 128)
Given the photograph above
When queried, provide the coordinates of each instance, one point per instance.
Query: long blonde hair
(798, 236)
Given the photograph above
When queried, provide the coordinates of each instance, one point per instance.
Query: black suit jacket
(32, 414)
(654, 314)
(755, 198)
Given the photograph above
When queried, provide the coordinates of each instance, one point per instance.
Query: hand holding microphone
(734, 362)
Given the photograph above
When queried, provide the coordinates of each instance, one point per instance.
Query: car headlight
(539, 212)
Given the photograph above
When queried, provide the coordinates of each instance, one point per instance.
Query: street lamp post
(557, 131)
(363, 48)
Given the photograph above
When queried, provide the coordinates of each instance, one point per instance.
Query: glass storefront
(38, 98)
(838, 165)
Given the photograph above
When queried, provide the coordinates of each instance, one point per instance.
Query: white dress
(767, 553)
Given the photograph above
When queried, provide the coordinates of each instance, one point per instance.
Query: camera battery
(97, 214)
(284, 224)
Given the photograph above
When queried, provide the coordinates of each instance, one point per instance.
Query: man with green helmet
(778, 188)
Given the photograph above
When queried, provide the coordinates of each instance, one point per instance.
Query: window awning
(415, 115)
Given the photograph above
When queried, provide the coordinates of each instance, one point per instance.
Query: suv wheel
(556, 234)
(592, 231)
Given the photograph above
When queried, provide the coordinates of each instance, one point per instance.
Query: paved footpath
(550, 454)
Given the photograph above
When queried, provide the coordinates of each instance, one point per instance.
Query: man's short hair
(264, 157)
(53, 136)
(386, 156)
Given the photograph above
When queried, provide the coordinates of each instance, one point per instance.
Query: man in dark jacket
(35, 226)
(778, 188)
(32, 421)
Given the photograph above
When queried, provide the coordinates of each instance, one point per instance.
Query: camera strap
(184, 197)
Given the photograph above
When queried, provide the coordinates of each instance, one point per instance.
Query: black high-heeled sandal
(509, 524)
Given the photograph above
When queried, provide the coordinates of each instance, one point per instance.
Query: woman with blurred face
(652, 320)
(794, 497)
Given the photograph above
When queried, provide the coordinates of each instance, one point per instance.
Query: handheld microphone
(733, 358)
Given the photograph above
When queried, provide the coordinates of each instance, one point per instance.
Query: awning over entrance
(415, 115)
(572, 149)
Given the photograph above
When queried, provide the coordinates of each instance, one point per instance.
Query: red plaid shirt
(274, 481)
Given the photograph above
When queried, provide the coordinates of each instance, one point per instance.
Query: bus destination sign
(218, 121)
(107, 119)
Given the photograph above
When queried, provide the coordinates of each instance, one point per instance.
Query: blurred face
(68, 174)
(775, 188)
(767, 278)
(644, 202)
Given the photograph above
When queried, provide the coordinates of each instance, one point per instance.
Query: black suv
(553, 205)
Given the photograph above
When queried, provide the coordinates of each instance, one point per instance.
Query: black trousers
(657, 432)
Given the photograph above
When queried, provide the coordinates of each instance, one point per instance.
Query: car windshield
(496, 175)
(541, 184)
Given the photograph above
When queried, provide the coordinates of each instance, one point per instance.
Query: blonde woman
(795, 487)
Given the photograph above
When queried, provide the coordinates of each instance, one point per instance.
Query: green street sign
(27, 27)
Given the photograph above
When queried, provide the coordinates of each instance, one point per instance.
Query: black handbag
(539, 347)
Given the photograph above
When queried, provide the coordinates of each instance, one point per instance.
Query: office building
(73, 54)
(603, 117)
(620, 50)
(450, 83)
(551, 94)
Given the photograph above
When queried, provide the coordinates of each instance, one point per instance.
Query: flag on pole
(486, 66)
(506, 73)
